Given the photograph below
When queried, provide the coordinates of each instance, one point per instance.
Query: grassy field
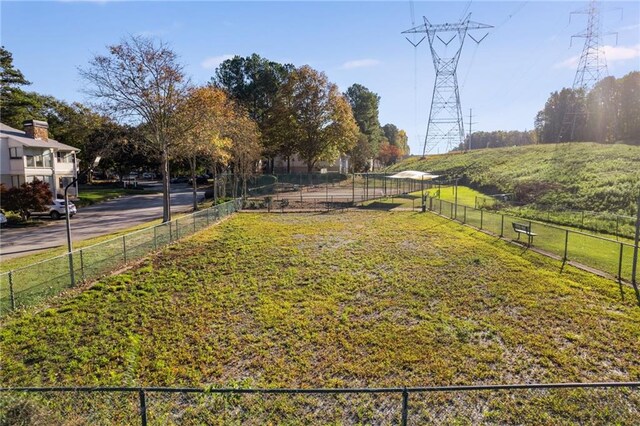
(580, 176)
(362, 298)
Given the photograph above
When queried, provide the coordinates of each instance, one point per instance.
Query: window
(64, 157)
(39, 160)
(13, 153)
(16, 180)
(45, 179)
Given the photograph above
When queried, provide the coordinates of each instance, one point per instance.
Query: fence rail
(612, 257)
(141, 407)
(31, 284)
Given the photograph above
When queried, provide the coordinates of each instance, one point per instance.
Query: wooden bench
(523, 228)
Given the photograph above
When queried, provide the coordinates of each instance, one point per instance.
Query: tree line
(608, 113)
(146, 114)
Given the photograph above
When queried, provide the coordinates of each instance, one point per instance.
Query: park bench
(522, 228)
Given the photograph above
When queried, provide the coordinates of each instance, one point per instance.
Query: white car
(3, 219)
(57, 210)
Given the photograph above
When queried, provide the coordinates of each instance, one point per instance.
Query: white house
(30, 154)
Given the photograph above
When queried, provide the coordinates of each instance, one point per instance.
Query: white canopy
(413, 174)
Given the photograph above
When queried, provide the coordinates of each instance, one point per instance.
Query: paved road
(104, 218)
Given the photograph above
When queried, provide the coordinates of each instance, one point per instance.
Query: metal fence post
(82, 265)
(124, 248)
(177, 230)
(194, 223)
(208, 212)
(155, 238)
(12, 295)
(170, 232)
(566, 244)
(143, 407)
(620, 264)
(481, 217)
(405, 407)
(502, 226)
(464, 220)
(72, 273)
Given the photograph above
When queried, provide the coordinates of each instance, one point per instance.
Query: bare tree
(142, 83)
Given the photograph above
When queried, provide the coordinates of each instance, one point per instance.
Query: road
(93, 221)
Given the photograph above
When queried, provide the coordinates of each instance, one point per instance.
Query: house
(30, 154)
(298, 165)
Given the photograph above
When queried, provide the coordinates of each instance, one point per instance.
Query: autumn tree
(320, 118)
(31, 196)
(397, 137)
(142, 83)
(205, 120)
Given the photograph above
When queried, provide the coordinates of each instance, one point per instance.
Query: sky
(505, 80)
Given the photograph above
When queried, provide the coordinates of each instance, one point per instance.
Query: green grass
(590, 250)
(91, 195)
(588, 176)
(334, 300)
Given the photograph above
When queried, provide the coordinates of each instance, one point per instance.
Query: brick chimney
(36, 129)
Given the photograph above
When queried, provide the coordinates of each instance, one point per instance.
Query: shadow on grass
(380, 206)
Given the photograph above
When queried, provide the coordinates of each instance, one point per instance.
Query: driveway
(93, 221)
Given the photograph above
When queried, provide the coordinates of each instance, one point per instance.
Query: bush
(32, 196)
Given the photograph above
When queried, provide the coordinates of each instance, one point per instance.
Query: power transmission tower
(592, 67)
(445, 116)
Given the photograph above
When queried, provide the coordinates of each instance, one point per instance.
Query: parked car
(148, 176)
(180, 179)
(200, 180)
(3, 219)
(56, 210)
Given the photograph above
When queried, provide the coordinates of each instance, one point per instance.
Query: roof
(20, 137)
(413, 174)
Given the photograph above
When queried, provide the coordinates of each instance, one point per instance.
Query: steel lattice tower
(445, 116)
(592, 67)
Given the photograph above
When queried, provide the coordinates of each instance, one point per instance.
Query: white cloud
(629, 27)
(211, 63)
(621, 53)
(360, 63)
(611, 53)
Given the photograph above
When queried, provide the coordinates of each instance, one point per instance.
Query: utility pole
(445, 116)
(592, 67)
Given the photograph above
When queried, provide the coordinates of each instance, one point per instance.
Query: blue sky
(505, 80)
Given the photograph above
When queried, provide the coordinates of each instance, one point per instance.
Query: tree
(205, 119)
(141, 83)
(361, 154)
(364, 104)
(254, 83)
(397, 137)
(11, 81)
(245, 149)
(389, 153)
(32, 196)
(321, 120)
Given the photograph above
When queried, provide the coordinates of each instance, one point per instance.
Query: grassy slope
(593, 177)
(354, 299)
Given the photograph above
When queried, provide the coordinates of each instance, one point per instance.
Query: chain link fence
(32, 284)
(554, 403)
(604, 254)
